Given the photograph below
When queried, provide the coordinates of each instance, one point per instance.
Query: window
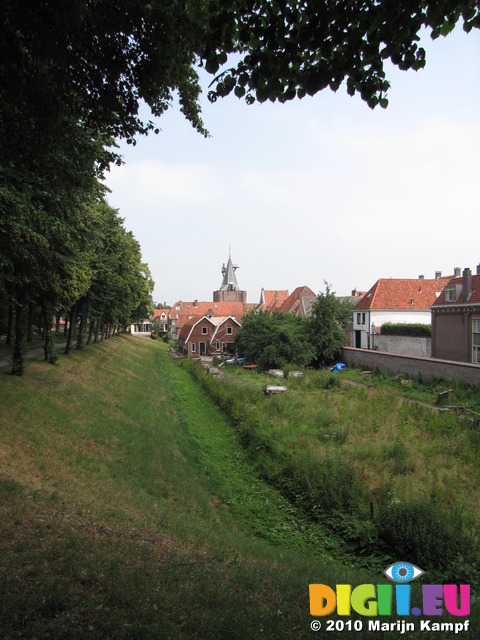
(204, 331)
(218, 346)
(193, 347)
(476, 341)
(229, 331)
(359, 317)
(363, 318)
(450, 294)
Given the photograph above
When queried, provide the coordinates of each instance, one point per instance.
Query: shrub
(409, 330)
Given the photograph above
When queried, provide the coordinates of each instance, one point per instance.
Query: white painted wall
(365, 321)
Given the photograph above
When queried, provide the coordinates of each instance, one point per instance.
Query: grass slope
(128, 510)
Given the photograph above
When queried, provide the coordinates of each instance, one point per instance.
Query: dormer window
(451, 293)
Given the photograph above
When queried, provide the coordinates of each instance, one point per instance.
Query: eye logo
(403, 572)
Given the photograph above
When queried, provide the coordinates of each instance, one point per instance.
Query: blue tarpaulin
(338, 367)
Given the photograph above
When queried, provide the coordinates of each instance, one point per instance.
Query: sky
(319, 190)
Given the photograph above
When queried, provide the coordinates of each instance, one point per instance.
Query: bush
(407, 330)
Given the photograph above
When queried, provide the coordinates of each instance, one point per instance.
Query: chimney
(438, 274)
(467, 284)
(421, 277)
(457, 272)
(478, 269)
(195, 304)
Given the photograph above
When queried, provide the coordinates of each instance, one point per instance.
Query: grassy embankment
(129, 510)
(118, 483)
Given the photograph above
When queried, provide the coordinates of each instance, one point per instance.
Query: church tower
(229, 290)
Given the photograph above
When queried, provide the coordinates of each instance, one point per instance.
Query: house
(182, 312)
(396, 300)
(208, 336)
(271, 300)
(299, 302)
(143, 328)
(456, 319)
(228, 301)
(223, 338)
(160, 318)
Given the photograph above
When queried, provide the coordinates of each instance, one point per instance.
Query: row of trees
(280, 339)
(87, 270)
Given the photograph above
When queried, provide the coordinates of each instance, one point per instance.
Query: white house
(395, 300)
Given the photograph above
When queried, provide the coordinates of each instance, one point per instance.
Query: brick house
(183, 311)
(456, 319)
(396, 300)
(223, 338)
(208, 336)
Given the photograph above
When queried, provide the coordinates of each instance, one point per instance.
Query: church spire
(229, 282)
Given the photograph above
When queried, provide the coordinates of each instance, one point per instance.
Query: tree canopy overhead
(97, 61)
(291, 48)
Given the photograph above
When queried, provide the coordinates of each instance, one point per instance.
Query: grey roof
(229, 282)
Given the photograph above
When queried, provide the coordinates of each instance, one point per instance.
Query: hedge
(412, 330)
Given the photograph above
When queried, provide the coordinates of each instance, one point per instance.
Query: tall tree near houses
(326, 334)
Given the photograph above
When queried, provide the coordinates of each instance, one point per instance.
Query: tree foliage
(280, 339)
(325, 326)
(286, 49)
(274, 341)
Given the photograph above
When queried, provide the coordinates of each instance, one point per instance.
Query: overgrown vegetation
(391, 477)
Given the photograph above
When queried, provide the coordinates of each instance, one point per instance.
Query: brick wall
(412, 366)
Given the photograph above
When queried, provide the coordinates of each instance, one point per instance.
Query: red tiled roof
(292, 303)
(402, 294)
(273, 299)
(474, 297)
(158, 312)
(187, 310)
(189, 324)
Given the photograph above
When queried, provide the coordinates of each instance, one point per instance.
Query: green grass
(336, 446)
(129, 509)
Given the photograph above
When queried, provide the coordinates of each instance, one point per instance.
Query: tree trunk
(49, 336)
(31, 309)
(90, 331)
(18, 365)
(10, 325)
(97, 328)
(80, 334)
(71, 328)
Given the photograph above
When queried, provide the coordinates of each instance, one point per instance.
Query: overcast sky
(319, 189)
